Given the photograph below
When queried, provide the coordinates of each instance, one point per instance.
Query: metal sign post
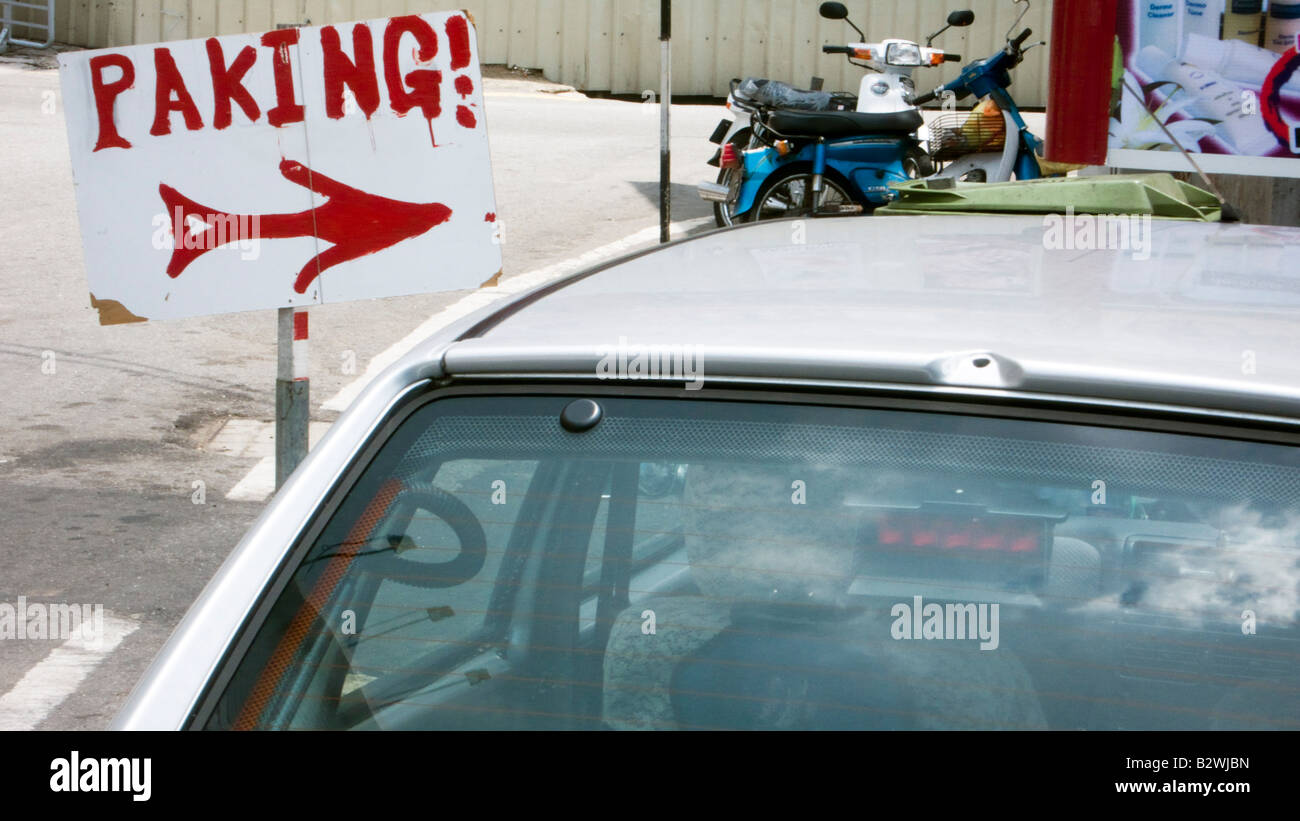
(292, 393)
(184, 216)
(665, 104)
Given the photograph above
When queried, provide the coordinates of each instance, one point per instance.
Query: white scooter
(973, 148)
(888, 89)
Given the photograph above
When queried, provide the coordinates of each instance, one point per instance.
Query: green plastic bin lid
(1157, 194)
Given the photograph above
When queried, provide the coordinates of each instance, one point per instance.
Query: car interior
(787, 568)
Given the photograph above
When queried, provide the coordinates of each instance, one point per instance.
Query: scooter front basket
(956, 135)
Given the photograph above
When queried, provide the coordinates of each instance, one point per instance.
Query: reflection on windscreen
(742, 566)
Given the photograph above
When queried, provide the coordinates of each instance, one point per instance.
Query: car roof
(1201, 314)
(895, 300)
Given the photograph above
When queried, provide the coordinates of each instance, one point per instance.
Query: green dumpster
(1159, 195)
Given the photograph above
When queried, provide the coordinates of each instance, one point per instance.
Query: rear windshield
(740, 565)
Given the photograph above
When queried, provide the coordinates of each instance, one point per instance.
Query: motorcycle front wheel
(917, 164)
(789, 195)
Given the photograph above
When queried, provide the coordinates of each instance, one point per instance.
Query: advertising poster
(1220, 78)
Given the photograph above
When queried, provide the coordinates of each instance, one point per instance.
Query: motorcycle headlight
(903, 54)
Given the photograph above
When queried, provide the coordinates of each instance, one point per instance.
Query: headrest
(770, 533)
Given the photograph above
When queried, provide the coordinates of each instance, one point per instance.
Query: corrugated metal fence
(609, 45)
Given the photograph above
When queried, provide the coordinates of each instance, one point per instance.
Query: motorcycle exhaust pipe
(713, 192)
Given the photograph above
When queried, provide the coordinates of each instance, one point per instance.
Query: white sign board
(292, 168)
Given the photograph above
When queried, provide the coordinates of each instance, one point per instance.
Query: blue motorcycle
(835, 163)
(973, 150)
(827, 164)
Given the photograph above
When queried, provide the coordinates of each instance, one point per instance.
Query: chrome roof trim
(928, 392)
(1009, 378)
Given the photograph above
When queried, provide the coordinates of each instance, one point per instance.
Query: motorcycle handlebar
(933, 95)
(836, 50)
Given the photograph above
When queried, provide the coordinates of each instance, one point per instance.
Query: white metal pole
(292, 393)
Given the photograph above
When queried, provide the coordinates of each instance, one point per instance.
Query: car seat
(773, 640)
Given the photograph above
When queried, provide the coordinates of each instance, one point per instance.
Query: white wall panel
(611, 45)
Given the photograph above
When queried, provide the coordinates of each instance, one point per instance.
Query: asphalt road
(104, 431)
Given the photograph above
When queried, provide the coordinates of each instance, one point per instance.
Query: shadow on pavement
(685, 201)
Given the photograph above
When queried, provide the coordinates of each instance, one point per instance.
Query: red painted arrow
(354, 222)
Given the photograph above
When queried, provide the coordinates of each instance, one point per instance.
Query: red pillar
(1079, 89)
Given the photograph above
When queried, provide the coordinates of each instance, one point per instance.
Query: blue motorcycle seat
(842, 123)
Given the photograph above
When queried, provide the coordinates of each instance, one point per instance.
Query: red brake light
(730, 156)
(962, 542)
(957, 539)
(924, 538)
(1024, 544)
(889, 535)
(955, 534)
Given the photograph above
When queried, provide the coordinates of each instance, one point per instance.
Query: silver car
(897, 473)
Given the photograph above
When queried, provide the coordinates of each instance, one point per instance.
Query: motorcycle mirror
(960, 19)
(837, 11)
(833, 11)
